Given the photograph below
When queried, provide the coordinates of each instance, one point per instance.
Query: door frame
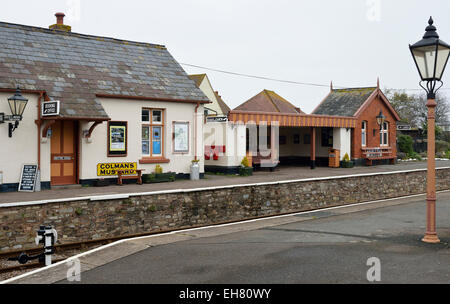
(76, 151)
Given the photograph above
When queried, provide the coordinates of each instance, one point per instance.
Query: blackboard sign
(28, 178)
(50, 108)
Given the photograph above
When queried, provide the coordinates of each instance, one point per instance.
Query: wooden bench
(259, 159)
(377, 153)
(120, 174)
(370, 159)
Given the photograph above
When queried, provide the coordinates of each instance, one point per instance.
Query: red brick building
(369, 142)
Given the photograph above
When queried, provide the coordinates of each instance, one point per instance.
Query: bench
(370, 159)
(120, 174)
(259, 159)
(377, 153)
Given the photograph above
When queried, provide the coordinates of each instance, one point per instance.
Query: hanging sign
(28, 178)
(50, 108)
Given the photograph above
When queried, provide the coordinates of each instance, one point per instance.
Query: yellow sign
(110, 168)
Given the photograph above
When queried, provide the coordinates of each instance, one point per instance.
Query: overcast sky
(351, 42)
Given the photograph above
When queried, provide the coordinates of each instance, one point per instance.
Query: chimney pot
(60, 18)
(60, 26)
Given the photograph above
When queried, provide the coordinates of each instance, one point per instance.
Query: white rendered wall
(207, 89)
(227, 134)
(22, 147)
(342, 141)
(130, 111)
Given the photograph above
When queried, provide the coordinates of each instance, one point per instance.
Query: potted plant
(245, 169)
(158, 176)
(346, 162)
(195, 170)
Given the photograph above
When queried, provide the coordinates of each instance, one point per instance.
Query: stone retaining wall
(89, 218)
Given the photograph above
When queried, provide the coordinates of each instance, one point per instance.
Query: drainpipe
(195, 130)
(41, 95)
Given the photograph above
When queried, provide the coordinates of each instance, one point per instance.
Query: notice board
(28, 178)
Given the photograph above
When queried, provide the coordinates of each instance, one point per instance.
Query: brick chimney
(60, 26)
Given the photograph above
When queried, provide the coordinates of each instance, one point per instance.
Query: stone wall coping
(128, 195)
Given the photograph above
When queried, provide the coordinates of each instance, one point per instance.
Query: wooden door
(64, 153)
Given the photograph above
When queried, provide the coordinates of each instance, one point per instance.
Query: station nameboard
(50, 108)
(28, 178)
(109, 169)
(216, 119)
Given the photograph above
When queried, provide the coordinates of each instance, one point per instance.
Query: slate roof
(344, 102)
(223, 106)
(74, 68)
(268, 101)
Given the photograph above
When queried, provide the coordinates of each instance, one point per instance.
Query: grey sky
(347, 41)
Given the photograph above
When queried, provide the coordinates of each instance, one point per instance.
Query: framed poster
(181, 137)
(117, 138)
(296, 139)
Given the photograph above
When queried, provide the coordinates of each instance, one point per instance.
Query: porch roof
(291, 120)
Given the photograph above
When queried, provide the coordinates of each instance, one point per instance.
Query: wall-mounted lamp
(380, 119)
(17, 104)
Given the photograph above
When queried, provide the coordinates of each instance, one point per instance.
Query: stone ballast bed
(97, 217)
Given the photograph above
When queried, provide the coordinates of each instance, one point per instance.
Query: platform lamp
(17, 104)
(380, 119)
(430, 56)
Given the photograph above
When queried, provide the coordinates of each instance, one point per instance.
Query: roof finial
(378, 82)
(430, 21)
(331, 85)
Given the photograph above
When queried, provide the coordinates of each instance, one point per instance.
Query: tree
(412, 108)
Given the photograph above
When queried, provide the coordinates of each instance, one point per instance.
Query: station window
(327, 137)
(364, 133)
(384, 137)
(152, 132)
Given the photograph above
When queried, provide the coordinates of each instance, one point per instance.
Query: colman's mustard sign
(109, 169)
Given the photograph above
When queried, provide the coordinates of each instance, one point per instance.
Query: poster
(181, 137)
(117, 138)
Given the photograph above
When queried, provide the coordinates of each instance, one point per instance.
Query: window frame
(364, 133)
(151, 124)
(384, 131)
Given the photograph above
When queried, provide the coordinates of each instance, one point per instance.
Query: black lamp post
(17, 104)
(431, 55)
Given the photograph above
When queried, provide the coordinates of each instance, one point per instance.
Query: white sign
(216, 118)
(403, 127)
(50, 108)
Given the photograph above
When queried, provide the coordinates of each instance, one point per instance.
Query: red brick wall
(369, 115)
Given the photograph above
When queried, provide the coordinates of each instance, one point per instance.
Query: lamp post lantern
(17, 104)
(431, 56)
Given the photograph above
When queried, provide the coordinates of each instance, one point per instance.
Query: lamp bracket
(430, 88)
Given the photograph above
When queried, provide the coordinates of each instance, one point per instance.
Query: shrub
(405, 144)
(447, 154)
(158, 169)
(442, 146)
(245, 163)
(346, 157)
